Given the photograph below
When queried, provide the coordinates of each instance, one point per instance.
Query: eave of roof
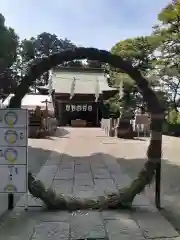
(85, 83)
(78, 69)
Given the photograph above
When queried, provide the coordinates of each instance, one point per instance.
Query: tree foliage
(139, 51)
(157, 56)
(168, 61)
(44, 45)
(8, 54)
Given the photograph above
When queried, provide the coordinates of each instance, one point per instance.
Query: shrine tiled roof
(85, 82)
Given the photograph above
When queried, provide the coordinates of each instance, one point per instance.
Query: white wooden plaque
(13, 150)
(13, 137)
(13, 118)
(13, 155)
(18, 184)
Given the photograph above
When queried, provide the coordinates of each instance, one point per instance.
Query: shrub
(173, 117)
(178, 118)
(172, 123)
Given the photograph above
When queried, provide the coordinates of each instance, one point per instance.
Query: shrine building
(78, 94)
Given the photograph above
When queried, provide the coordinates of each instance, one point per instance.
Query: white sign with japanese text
(78, 108)
(13, 118)
(14, 179)
(13, 137)
(13, 150)
(13, 156)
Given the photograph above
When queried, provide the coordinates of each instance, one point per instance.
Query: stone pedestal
(78, 123)
(112, 132)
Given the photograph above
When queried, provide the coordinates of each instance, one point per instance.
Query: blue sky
(92, 23)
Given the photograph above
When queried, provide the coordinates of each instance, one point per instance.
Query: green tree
(25, 55)
(8, 54)
(47, 44)
(141, 51)
(43, 45)
(130, 95)
(126, 50)
(168, 61)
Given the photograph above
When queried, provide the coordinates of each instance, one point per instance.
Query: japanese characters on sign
(78, 108)
(13, 150)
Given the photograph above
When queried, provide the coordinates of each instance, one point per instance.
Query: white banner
(73, 85)
(97, 90)
(50, 82)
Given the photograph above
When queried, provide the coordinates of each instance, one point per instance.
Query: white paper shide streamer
(97, 90)
(50, 82)
(72, 90)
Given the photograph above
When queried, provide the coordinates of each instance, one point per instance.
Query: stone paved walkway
(38, 149)
(81, 165)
